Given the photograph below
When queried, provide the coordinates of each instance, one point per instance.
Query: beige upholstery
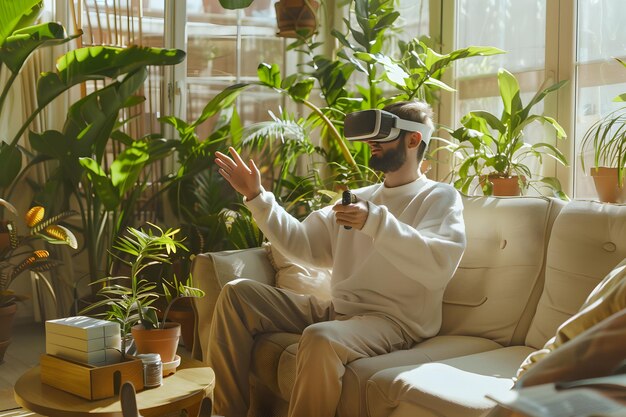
(500, 268)
(513, 243)
(588, 240)
(451, 388)
(211, 271)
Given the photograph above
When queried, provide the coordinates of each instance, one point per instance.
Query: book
(82, 327)
(85, 345)
(96, 357)
(548, 400)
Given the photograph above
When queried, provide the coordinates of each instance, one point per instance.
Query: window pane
(599, 78)
(601, 32)
(518, 27)
(225, 47)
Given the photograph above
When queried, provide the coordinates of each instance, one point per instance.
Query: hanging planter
(296, 18)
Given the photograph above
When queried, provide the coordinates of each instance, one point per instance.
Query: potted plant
(492, 149)
(130, 299)
(17, 255)
(607, 140)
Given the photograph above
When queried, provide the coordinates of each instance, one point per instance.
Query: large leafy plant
(19, 38)
(106, 197)
(491, 145)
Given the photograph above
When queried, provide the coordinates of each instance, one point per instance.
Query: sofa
(530, 263)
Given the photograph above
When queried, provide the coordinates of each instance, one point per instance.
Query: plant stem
(19, 134)
(7, 87)
(334, 133)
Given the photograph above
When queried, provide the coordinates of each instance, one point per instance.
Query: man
(389, 271)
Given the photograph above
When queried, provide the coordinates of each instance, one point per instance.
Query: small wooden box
(90, 382)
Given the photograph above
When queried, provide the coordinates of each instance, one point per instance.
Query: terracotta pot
(7, 314)
(605, 180)
(296, 17)
(503, 187)
(161, 341)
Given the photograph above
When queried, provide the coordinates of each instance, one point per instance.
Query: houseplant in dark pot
(130, 299)
(606, 139)
(492, 149)
(18, 255)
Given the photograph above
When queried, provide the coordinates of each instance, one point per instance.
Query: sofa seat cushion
(450, 388)
(353, 399)
(274, 363)
(273, 352)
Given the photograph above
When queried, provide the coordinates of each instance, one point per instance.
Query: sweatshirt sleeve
(308, 242)
(428, 251)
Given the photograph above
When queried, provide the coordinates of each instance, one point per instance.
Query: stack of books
(84, 339)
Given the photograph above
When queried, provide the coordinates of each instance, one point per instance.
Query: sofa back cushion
(588, 240)
(497, 285)
(211, 271)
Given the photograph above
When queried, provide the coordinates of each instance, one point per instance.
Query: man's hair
(416, 111)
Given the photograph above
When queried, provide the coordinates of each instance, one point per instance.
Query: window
(599, 78)
(517, 27)
(225, 47)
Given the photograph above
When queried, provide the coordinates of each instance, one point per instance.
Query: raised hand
(244, 178)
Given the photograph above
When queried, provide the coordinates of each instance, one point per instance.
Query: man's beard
(391, 160)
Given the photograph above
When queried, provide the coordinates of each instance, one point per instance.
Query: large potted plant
(492, 149)
(606, 139)
(18, 255)
(129, 299)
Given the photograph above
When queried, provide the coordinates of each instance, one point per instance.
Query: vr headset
(380, 126)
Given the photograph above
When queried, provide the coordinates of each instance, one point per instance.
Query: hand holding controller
(347, 198)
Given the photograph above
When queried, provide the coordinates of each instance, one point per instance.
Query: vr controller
(347, 198)
(380, 126)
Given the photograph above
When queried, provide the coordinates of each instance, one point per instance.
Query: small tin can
(152, 369)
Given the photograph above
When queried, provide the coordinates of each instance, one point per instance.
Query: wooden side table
(189, 389)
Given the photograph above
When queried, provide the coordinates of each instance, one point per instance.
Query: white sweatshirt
(398, 265)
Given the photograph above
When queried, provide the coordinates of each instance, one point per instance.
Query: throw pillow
(296, 278)
(607, 298)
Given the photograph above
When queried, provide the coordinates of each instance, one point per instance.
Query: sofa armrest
(211, 271)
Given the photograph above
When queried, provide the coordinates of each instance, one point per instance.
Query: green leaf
(98, 62)
(509, 92)
(621, 97)
(300, 91)
(127, 167)
(102, 185)
(15, 14)
(51, 143)
(500, 163)
(269, 74)
(221, 101)
(10, 164)
(558, 155)
(478, 119)
(18, 47)
(540, 95)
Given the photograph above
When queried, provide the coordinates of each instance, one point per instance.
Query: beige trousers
(247, 308)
